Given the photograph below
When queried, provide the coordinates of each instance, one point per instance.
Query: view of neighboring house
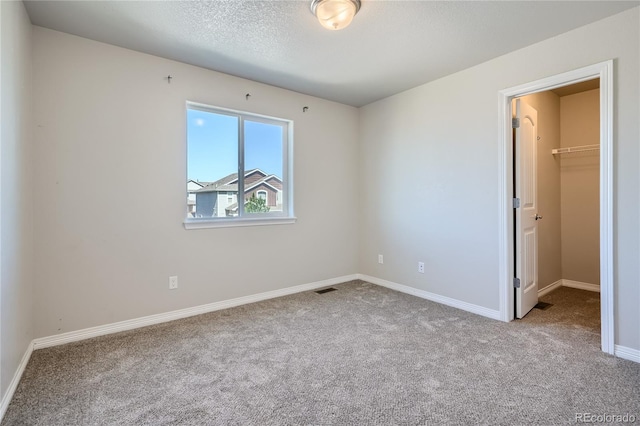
(220, 198)
(192, 187)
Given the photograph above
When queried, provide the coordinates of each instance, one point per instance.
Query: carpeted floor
(361, 355)
(570, 307)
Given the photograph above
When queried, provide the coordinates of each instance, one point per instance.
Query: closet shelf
(572, 149)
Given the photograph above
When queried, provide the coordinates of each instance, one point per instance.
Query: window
(231, 153)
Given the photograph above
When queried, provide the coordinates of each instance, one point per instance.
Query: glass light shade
(335, 14)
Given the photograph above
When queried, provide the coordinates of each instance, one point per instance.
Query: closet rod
(570, 149)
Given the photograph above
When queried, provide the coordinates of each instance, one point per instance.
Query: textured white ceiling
(391, 46)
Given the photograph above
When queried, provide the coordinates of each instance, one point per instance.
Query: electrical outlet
(173, 283)
(421, 267)
(380, 259)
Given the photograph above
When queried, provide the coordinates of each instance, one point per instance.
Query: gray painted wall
(433, 151)
(106, 117)
(16, 285)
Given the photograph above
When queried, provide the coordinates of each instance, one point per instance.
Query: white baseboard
(568, 283)
(627, 353)
(469, 307)
(581, 285)
(102, 330)
(87, 333)
(549, 288)
(8, 395)
(74, 336)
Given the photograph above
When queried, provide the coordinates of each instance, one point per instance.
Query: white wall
(106, 122)
(16, 228)
(433, 151)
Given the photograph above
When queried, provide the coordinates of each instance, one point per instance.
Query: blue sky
(212, 151)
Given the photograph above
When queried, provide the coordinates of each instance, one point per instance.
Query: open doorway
(565, 148)
(509, 267)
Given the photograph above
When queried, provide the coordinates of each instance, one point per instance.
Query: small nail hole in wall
(247, 96)
(305, 109)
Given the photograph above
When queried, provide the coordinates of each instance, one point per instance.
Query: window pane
(215, 189)
(212, 164)
(263, 154)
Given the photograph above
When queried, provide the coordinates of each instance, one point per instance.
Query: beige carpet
(361, 355)
(571, 307)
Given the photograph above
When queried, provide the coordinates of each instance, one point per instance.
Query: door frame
(603, 71)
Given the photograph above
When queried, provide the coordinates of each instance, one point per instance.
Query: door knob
(537, 216)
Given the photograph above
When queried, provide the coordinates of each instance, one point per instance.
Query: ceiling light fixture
(335, 14)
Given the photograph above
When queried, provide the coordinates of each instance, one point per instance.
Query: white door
(526, 216)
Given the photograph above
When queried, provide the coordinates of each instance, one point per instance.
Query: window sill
(231, 223)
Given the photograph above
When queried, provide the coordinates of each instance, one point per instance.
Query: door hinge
(516, 283)
(516, 203)
(515, 123)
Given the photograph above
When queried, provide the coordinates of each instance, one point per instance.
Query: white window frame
(286, 216)
(266, 195)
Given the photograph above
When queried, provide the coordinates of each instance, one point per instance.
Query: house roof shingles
(226, 184)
